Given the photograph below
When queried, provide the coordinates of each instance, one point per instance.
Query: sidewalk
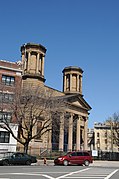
(97, 163)
(104, 163)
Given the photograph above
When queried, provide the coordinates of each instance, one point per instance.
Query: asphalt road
(99, 170)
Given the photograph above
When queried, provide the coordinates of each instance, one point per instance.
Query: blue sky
(82, 33)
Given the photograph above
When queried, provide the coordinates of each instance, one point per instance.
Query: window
(6, 97)
(19, 155)
(8, 80)
(4, 137)
(74, 154)
(98, 134)
(5, 116)
(79, 154)
(86, 154)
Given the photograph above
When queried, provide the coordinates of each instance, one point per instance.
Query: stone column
(85, 133)
(49, 140)
(70, 133)
(61, 135)
(80, 84)
(29, 61)
(64, 83)
(78, 134)
(42, 65)
(77, 82)
(70, 83)
(37, 64)
(23, 62)
(49, 137)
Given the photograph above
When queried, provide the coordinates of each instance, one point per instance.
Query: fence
(51, 154)
(107, 156)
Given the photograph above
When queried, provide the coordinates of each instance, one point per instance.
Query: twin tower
(33, 56)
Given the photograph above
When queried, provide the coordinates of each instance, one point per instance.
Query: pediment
(79, 101)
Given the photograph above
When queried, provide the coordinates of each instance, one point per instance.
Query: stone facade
(100, 138)
(103, 138)
(33, 57)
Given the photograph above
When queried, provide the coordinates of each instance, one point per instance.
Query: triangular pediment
(79, 101)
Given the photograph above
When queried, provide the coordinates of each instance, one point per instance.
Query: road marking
(85, 177)
(79, 171)
(109, 176)
(33, 174)
(47, 176)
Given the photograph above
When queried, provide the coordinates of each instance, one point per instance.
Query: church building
(32, 72)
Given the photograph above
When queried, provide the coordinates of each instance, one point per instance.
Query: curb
(95, 163)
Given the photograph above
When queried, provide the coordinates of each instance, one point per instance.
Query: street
(59, 172)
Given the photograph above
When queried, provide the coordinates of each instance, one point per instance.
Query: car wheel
(28, 162)
(5, 162)
(65, 162)
(86, 163)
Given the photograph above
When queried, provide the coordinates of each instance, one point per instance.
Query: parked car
(76, 157)
(16, 158)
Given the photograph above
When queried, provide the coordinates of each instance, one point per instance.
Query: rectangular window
(98, 134)
(6, 97)
(8, 80)
(4, 137)
(5, 116)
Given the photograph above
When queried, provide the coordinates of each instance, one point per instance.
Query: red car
(76, 157)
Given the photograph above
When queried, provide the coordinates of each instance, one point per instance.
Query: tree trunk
(26, 147)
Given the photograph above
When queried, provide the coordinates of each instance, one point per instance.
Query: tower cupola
(72, 80)
(33, 62)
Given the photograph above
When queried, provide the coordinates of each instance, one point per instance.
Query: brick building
(10, 76)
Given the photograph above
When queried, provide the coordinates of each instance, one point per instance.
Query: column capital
(76, 116)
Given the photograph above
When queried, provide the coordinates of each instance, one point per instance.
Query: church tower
(33, 63)
(72, 80)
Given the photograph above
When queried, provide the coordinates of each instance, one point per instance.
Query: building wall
(10, 71)
(11, 144)
(103, 138)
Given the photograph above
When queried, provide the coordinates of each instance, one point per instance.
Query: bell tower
(72, 80)
(33, 63)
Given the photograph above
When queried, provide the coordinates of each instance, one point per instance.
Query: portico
(81, 140)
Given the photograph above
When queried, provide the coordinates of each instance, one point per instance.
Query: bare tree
(113, 123)
(32, 109)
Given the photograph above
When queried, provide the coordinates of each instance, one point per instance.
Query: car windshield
(68, 153)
